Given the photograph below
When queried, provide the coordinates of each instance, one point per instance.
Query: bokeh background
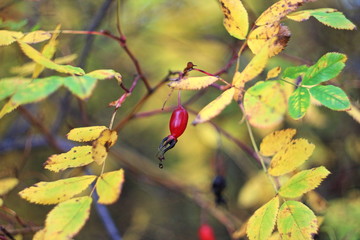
(165, 35)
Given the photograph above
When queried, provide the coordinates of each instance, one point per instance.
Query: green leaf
(13, 25)
(81, 86)
(8, 37)
(296, 221)
(7, 184)
(294, 72)
(331, 97)
(76, 157)
(299, 102)
(303, 182)
(37, 57)
(57, 191)
(67, 218)
(109, 185)
(326, 68)
(8, 86)
(262, 222)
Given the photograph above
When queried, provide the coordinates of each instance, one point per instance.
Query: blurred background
(164, 35)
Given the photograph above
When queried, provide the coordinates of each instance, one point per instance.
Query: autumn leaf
(57, 191)
(275, 141)
(109, 185)
(296, 221)
(102, 144)
(8, 37)
(67, 218)
(7, 184)
(85, 134)
(273, 73)
(303, 182)
(76, 157)
(193, 83)
(36, 37)
(102, 74)
(236, 19)
(9, 86)
(262, 222)
(215, 107)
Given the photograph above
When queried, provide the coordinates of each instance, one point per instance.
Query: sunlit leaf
(328, 16)
(330, 96)
(296, 221)
(279, 10)
(291, 157)
(8, 37)
(236, 19)
(76, 157)
(265, 103)
(39, 235)
(67, 218)
(7, 184)
(37, 57)
(273, 73)
(8, 86)
(215, 107)
(275, 141)
(299, 102)
(303, 182)
(36, 37)
(262, 222)
(57, 191)
(109, 185)
(102, 74)
(193, 83)
(85, 134)
(326, 68)
(102, 144)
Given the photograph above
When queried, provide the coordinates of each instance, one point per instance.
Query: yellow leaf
(67, 218)
(76, 157)
(193, 83)
(8, 37)
(109, 185)
(279, 10)
(1, 202)
(8, 107)
(36, 37)
(275, 141)
(215, 107)
(102, 74)
(85, 134)
(7, 184)
(239, 84)
(57, 191)
(273, 73)
(291, 157)
(262, 222)
(300, 16)
(102, 144)
(354, 112)
(39, 235)
(236, 19)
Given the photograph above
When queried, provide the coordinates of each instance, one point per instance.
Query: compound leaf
(215, 107)
(303, 181)
(76, 157)
(275, 141)
(7, 184)
(57, 191)
(8, 37)
(236, 19)
(296, 221)
(299, 102)
(109, 185)
(262, 222)
(193, 83)
(67, 218)
(332, 97)
(85, 134)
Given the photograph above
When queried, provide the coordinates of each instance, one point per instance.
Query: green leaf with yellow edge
(279, 10)
(303, 182)
(273, 73)
(215, 107)
(326, 68)
(8, 86)
(37, 57)
(109, 185)
(193, 83)
(296, 221)
(265, 103)
(328, 16)
(275, 141)
(332, 97)
(81, 86)
(101, 146)
(102, 74)
(36, 37)
(76, 157)
(7, 184)
(290, 157)
(57, 191)
(236, 20)
(85, 134)
(262, 222)
(67, 218)
(7, 108)
(8, 37)
(299, 102)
